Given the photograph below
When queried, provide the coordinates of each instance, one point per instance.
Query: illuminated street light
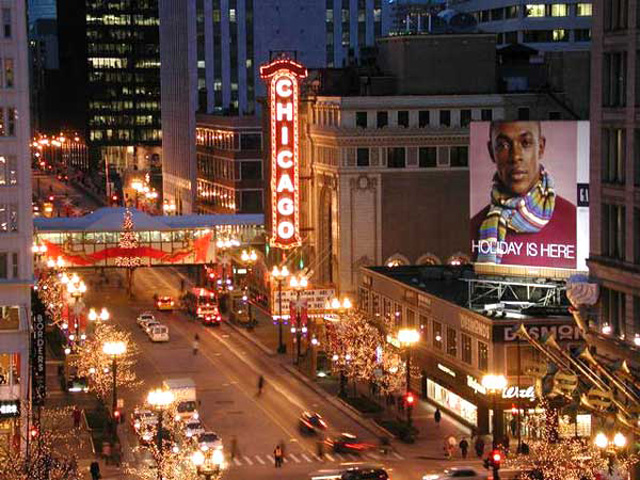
(279, 275)
(408, 337)
(298, 283)
(494, 384)
(601, 440)
(115, 350)
(619, 440)
(160, 400)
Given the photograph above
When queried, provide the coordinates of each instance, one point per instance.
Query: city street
(226, 371)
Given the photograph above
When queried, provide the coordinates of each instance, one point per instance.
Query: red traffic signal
(409, 399)
(114, 198)
(33, 432)
(51, 198)
(212, 275)
(496, 457)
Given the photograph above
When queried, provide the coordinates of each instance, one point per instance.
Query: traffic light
(493, 460)
(51, 198)
(33, 431)
(114, 198)
(409, 399)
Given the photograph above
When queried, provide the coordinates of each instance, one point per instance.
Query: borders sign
(283, 77)
(38, 361)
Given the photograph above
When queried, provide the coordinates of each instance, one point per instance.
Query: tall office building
(542, 25)
(615, 168)
(211, 51)
(16, 269)
(41, 9)
(123, 62)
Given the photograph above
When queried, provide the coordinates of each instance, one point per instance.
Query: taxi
(165, 303)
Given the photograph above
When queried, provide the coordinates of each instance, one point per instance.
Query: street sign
(315, 299)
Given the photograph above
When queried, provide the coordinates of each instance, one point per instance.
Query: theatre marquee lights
(283, 76)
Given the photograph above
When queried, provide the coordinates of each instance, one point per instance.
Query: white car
(143, 418)
(193, 428)
(158, 333)
(144, 318)
(149, 325)
(209, 441)
(469, 473)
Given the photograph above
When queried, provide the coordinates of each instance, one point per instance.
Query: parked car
(311, 423)
(158, 333)
(347, 443)
(165, 303)
(144, 318)
(150, 324)
(141, 418)
(192, 428)
(468, 473)
(356, 471)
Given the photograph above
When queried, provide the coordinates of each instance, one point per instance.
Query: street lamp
(335, 305)
(76, 288)
(208, 464)
(279, 275)
(298, 283)
(408, 337)
(103, 316)
(115, 349)
(248, 259)
(494, 385)
(160, 400)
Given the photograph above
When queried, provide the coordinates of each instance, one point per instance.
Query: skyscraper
(41, 9)
(16, 228)
(216, 64)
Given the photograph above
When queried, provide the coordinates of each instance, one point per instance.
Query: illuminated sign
(9, 408)
(475, 385)
(283, 76)
(446, 370)
(525, 392)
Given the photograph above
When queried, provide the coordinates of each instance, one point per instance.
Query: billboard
(529, 199)
(283, 77)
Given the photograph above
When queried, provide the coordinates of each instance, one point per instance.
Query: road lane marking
(259, 460)
(329, 457)
(351, 456)
(373, 455)
(248, 460)
(340, 457)
(237, 462)
(295, 459)
(398, 456)
(306, 458)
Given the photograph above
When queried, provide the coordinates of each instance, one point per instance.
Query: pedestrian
(77, 416)
(437, 417)
(196, 344)
(95, 470)
(452, 446)
(277, 456)
(260, 384)
(479, 446)
(464, 447)
(117, 453)
(234, 447)
(445, 448)
(385, 443)
(320, 448)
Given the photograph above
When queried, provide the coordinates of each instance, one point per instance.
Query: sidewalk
(430, 439)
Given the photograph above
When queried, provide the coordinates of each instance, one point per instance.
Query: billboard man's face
(517, 148)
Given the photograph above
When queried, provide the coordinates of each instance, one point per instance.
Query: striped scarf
(522, 214)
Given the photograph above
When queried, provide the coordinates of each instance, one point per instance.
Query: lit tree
(556, 458)
(50, 293)
(51, 453)
(128, 241)
(96, 365)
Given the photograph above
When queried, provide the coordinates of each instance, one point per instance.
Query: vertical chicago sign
(283, 76)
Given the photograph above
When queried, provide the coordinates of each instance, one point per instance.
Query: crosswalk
(300, 458)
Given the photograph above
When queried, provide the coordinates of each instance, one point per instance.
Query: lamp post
(408, 337)
(114, 349)
(94, 316)
(298, 283)
(279, 275)
(76, 288)
(208, 464)
(248, 259)
(336, 308)
(494, 384)
(160, 400)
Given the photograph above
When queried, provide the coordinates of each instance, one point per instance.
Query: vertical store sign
(38, 361)
(283, 77)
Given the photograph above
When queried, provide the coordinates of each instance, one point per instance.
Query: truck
(203, 305)
(184, 392)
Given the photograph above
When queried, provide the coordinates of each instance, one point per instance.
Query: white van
(159, 333)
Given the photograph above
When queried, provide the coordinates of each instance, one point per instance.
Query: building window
(465, 117)
(361, 119)
(483, 356)
(8, 218)
(614, 79)
(8, 170)
(537, 36)
(251, 141)
(411, 318)
(9, 318)
(382, 119)
(615, 14)
(452, 342)
(362, 157)
(523, 113)
(584, 9)
(613, 231)
(613, 155)
(423, 118)
(437, 335)
(636, 238)
(558, 10)
(459, 156)
(6, 22)
(15, 265)
(613, 304)
(511, 12)
(445, 118)
(560, 35)
(497, 14)
(251, 201)
(636, 157)
(398, 315)
(403, 118)
(9, 75)
(251, 170)
(534, 10)
(486, 115)
(396, 157)
(427, 157)
(465, 344)
(582, 35)
(555, 116)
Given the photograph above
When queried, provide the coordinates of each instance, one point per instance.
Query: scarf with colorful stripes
(523, 214)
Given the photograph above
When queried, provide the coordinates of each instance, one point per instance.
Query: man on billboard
(526, 221)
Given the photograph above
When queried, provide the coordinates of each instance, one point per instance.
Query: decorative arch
(428, 259)
(396, 260)
(458, 259)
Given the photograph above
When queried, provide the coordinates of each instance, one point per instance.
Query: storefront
(9, 425)
(453, 403)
